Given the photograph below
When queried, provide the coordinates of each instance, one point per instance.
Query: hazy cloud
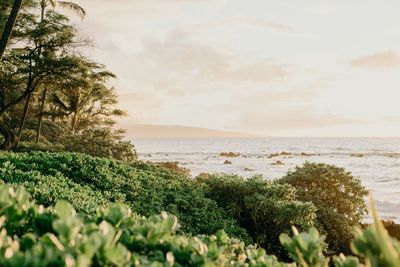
(249, 21)
(300, 117)
(263, 23)
(382, 60)
(231, 63)
(183, 56)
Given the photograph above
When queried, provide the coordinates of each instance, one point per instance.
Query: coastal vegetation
(73, 193)
(338, 196)
(32, 235)
(254, 211)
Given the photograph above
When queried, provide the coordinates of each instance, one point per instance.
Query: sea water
(375, 161)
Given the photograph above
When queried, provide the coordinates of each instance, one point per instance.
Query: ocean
(375, 161)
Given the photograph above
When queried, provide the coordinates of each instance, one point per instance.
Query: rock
(229, 154)
(277, 163)
(357, 155)
(248, 169)
(283, 153)
(226, 162)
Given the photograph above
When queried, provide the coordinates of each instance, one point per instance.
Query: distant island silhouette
(177, 131)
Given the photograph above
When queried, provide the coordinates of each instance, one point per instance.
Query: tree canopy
(50, 92)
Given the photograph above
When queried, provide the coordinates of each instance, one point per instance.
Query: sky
(277, 68)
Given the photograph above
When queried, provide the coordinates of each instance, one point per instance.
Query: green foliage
(98, 142)
(101, 142)
(116, 237)
(174, 166)
(376, 246)
(88, 182)
(265, 209)
(31, 235)
(338, 196)
(44, 147)
(306, 248)
(50, 93)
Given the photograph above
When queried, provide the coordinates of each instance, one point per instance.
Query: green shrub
(31, 235)
(265, 209)
(375, 246)
(101, 142)
(44, 147)
(338, 196)
(174, 166)
(98, 142)
(89, 182)
(306, 248)
(115, 237)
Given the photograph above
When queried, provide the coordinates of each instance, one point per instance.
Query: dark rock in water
(283, 153)
(227, 162)
(229, 154)
(357, 155)
(277, 163)
(248, 169)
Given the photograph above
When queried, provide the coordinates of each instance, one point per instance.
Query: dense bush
(265, 209)
(35, 236)
(98, 142)
(101, 142)
(338, 196)
(174, 166)
(88, 182)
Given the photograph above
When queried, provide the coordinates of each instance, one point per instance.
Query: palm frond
(56, 100)
(77, 9)
(53, 3)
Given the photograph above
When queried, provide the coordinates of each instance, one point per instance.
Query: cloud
(382, 60)
(391, 118)
(180, 56)
(245, 20)
(142, 106)
(262, 23)
(142, 7)
(292, 118)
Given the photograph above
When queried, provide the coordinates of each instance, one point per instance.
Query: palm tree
(44, 4)
(8, 28)
(12, 18)
(77, 9)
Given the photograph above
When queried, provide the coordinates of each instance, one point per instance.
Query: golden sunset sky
(281, 68)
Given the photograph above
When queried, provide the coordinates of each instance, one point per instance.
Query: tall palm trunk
(23, 119)
(40, 115)
(74, 122)
(76, 109)
(8, 28)
(40, 121)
